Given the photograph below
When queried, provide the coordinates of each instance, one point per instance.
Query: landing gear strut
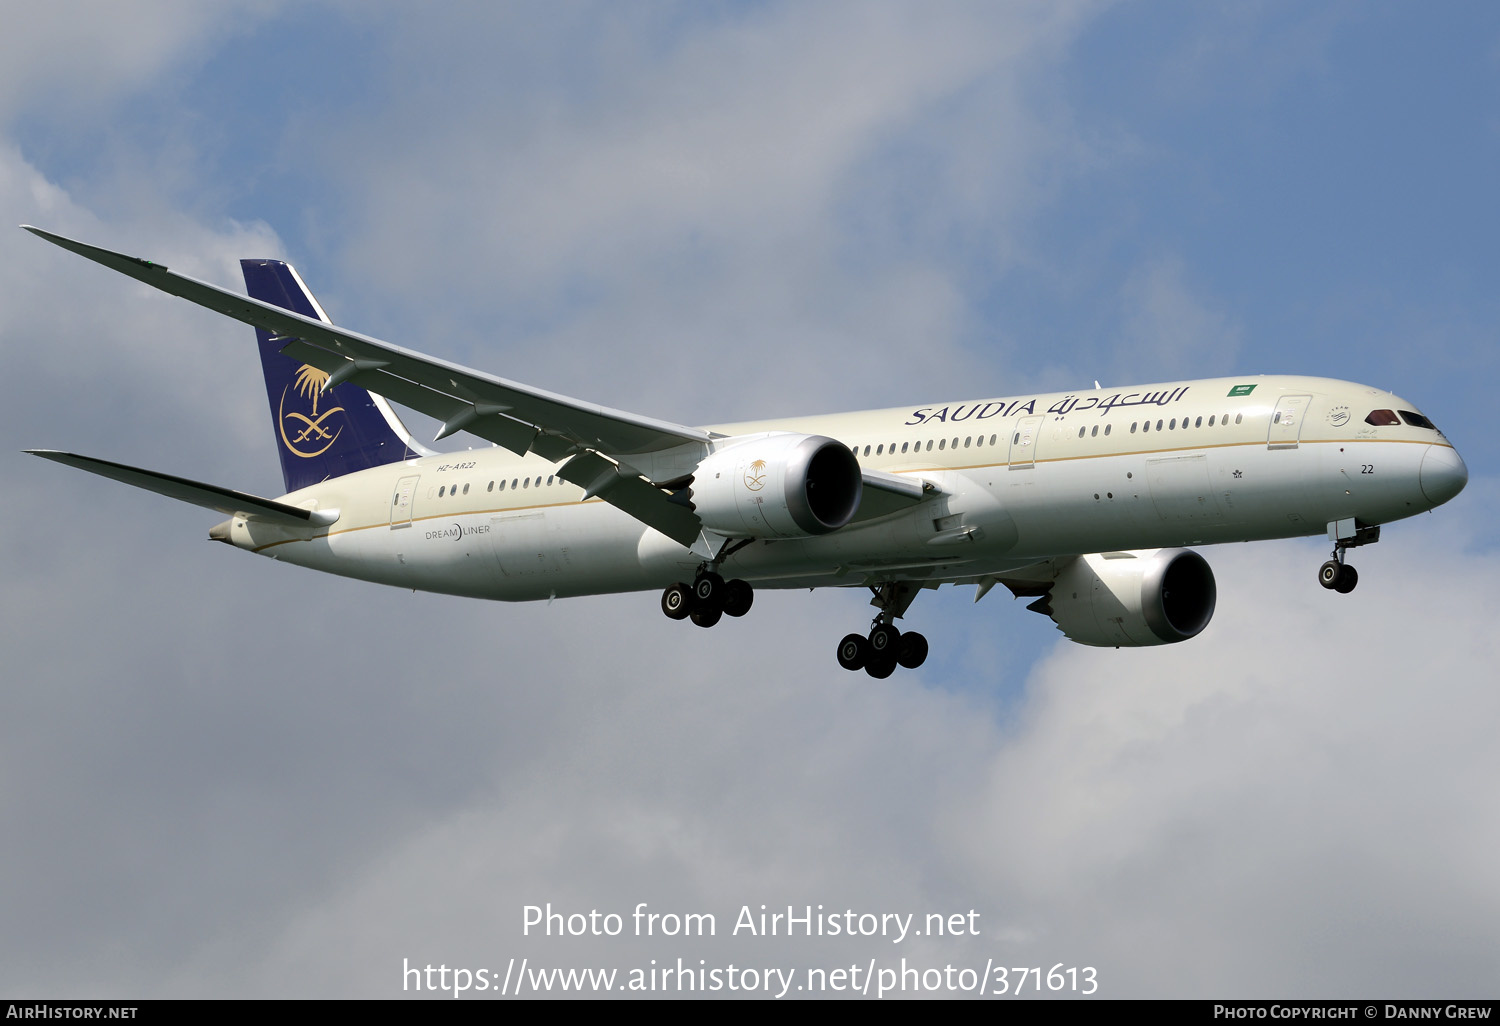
(886, 647)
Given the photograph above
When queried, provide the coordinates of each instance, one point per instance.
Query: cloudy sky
(221, 776)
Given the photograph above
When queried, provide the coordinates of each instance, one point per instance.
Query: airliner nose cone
(1443, 474)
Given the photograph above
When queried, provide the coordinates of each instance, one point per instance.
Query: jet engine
(1116, 599)
(778, 485)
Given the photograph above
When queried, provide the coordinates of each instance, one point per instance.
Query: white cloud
(714, 202)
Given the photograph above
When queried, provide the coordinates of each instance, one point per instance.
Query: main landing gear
(707, 599)
(886, 647)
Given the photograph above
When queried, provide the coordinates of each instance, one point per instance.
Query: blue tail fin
(319, 434)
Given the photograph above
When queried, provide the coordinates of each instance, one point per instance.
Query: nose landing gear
(1336, 574)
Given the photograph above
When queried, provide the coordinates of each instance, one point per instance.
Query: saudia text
(1025, 407)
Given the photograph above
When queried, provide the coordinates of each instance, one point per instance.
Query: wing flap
(224, 500)
(633, 494)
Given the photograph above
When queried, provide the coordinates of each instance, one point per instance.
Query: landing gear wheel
(911, 650)
(883, 640)
(854, 650)
(707, 617)
(737, 598)
(881, 668)
(1347, 580)
(677, 601)
(1330, 573)
(708, 589)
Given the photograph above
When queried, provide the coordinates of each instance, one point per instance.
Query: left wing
(600, 441)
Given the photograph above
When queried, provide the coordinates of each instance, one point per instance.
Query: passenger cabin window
(1382, 418)
(1417, 420)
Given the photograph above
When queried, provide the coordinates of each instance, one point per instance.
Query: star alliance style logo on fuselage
(309, 435)
(755, 477)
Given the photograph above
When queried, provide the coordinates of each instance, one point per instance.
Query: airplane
(1083, 501)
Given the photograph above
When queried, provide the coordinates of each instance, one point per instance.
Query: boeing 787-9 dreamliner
(1083, 501)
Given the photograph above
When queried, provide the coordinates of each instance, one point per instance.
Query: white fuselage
(1018, 481)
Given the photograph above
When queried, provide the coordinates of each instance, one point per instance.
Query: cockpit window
(1417, 420)
(1382, 418)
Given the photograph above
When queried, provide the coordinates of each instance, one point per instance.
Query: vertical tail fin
(319, 434)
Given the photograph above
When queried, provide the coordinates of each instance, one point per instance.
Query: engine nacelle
(778, 485)
(1150, 597)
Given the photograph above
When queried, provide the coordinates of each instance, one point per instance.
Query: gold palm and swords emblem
(309, 384)
(755, 477)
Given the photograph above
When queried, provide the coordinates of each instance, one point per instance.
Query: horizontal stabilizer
(225, 500)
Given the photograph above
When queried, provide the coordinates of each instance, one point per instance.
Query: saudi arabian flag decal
(1241, 390)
